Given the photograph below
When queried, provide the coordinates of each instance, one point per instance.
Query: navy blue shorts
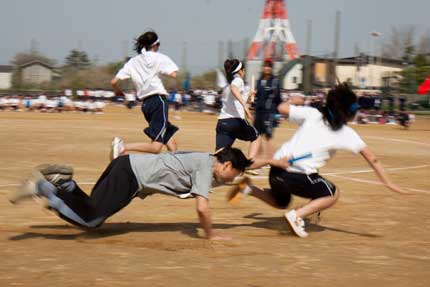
(156, 112)
(283, 184)
(265, 122)
(228, 130)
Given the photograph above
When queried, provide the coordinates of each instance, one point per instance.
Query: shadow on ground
(187, 228)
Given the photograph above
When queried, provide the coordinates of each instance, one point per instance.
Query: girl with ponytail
(233, 120)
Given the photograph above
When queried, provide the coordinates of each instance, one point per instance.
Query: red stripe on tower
(273, 29)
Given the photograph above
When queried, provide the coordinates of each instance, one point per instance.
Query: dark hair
(229, 66)
(341, 106)
(146, 40)
(235, 156)
(267, 63)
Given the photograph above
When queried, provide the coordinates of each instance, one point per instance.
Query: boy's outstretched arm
(203, 211)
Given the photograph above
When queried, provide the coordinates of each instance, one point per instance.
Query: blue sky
(105, 28)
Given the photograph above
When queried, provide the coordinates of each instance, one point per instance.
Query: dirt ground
(371, 237)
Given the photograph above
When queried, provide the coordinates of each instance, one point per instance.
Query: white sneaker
(28, 189)
(117, 148)
(296, 223)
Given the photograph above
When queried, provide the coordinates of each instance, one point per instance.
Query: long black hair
(341, 106)
(146, 40)
(229, 66)
(235, 156)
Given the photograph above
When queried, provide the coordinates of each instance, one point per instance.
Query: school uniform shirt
(268, 95)
(231, 107)
(315, 136)
(174, 174)
(144, 69)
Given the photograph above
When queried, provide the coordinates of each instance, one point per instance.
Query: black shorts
(265, 122)
(228, 130)
(156, 111)
(283, 184)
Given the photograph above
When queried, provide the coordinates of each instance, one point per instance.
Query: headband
(156, 42)
(153, 44)
(238, 68)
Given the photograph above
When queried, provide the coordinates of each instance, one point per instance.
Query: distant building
(367, 72)
(36, 72)
(363, 72)
(6, 77)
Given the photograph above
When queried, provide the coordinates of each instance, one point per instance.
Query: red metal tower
(274, 38)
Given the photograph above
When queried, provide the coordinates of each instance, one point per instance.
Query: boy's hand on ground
(220, 237)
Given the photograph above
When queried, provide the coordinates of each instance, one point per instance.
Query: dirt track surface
(371, 237)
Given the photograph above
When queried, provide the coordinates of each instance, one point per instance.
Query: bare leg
(153, 147)
(171, 145)
(317, 205)
(254, 147)
(269, 149)
(264, 195)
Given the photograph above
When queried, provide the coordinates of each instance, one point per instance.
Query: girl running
(232, 121)
(320, 134)
(144, 70)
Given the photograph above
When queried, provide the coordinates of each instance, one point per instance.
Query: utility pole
(221, 56)
(336, 50)
(230, 49)
(125, 49)
(184, 55)
(34, 46)
(245, 48)
(307, 71)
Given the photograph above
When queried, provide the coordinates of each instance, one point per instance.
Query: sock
(247, 190)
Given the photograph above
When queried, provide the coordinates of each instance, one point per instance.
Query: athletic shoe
(296, 223)
(117, 148)
(239, 190)
(28, 189)
(55, 173)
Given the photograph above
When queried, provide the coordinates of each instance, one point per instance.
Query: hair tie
(354, 108)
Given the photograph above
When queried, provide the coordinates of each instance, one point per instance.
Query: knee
(336, 195)
(157, 147)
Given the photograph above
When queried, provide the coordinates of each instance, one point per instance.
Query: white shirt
(231, 107)
(178, 98)
(42, 100)
(144, 69)
(130, 97)
(51, 103)
(315, 136)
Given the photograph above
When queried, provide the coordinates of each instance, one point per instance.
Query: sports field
(371, 237)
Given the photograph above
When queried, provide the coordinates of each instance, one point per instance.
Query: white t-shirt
(130, 97)
(178, 98)
(231, 107)
(144, 69)
(42, 100)
(315, 136)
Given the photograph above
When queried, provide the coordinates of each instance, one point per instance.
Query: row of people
(43, 103)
